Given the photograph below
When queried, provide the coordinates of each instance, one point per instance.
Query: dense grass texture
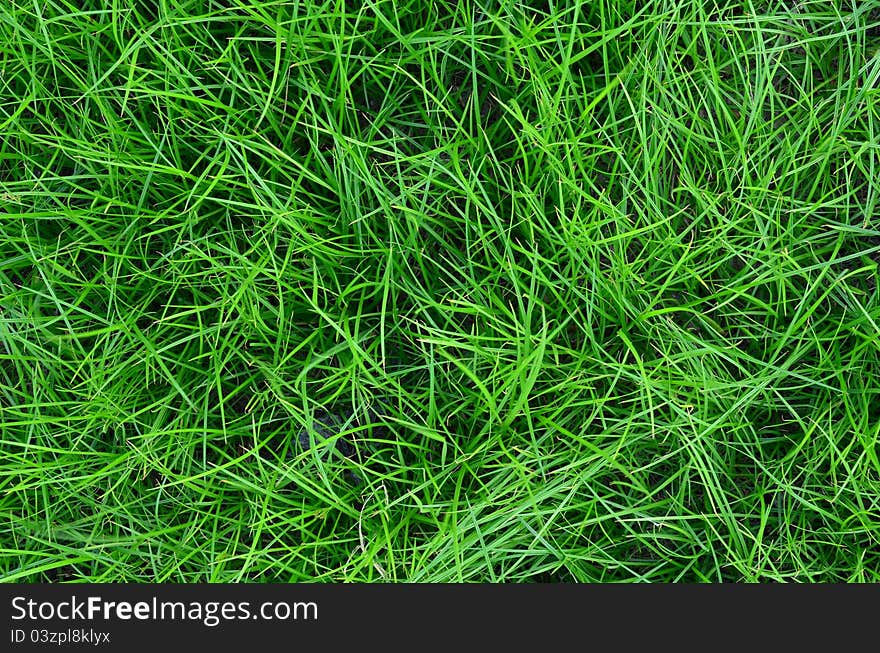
(417, 290)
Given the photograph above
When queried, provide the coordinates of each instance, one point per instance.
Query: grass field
(416, 290)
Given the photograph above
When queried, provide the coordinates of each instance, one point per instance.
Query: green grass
(414, 290)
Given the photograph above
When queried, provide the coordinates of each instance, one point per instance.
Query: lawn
(417, 290)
